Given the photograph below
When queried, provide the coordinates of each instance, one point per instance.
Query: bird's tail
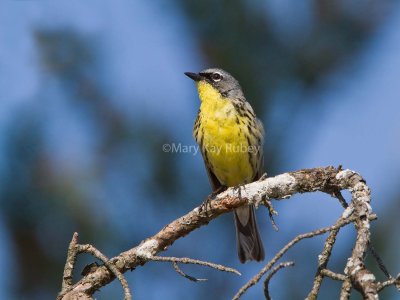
(249, 243)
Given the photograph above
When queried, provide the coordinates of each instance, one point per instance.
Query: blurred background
(91, 90)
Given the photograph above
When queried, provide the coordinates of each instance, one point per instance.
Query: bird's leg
(238, 189)
(206, 203)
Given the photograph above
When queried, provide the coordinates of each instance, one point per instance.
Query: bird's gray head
(221, 80)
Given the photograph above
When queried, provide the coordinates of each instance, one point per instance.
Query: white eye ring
(216, 77)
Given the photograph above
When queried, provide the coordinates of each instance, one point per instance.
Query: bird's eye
(216, 77)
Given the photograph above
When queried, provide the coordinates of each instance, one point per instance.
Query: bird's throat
(213, 104)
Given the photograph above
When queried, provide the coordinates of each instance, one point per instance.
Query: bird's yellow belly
(227, 152)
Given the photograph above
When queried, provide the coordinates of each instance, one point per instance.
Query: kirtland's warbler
(231, 141)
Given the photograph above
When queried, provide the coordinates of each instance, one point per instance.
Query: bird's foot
(238, 189)
(207, 203)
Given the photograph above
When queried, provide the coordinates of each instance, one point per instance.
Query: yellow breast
(222, 134)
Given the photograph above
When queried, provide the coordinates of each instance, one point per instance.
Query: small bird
(231, 140)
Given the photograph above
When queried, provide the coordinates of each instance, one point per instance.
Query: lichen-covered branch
(326, 179)
(361, 278)
(339, 223)
(73, 250)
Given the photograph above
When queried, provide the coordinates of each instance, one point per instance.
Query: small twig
(379, 260)
(191, 278)
(263, 177)
(391, 281)
(340, 223)
(70, 264)
(186, 260)
(96, 253)
(323, 259)
(341, 199)
(333, 275)
(272, 273)
(73, 250)
(271, 212)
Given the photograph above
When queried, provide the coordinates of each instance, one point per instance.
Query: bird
(230, 138)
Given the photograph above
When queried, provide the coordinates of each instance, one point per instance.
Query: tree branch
(361, 278)
(323, 259)
(333, 275)
(73, 250)
(272, 273)
(391, 281)
(191, 278)
(340, 223)
(186, 260)
(328, 179)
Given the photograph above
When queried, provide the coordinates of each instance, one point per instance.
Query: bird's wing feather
(215, 184)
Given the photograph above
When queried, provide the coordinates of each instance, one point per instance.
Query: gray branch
(272, 273)
(339, 223)
(328, 179)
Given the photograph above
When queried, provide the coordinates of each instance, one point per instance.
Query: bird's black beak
(194, 76)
